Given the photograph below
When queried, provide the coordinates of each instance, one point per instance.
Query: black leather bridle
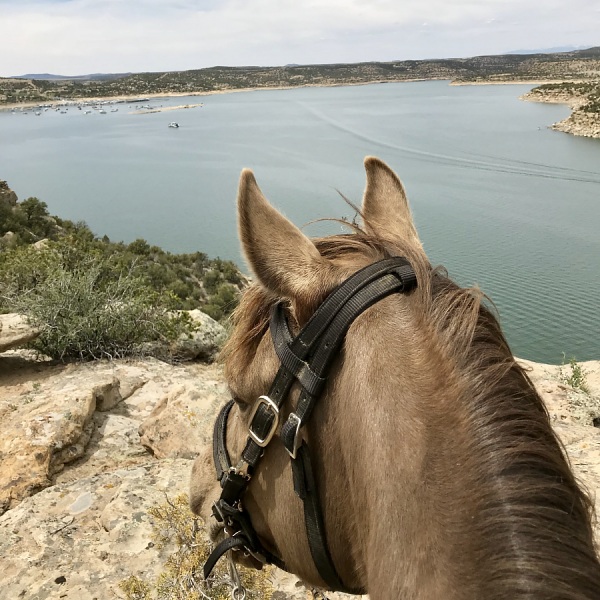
(305, 359)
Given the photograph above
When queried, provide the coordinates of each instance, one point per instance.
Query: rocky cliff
(88, 449)
(584, 100)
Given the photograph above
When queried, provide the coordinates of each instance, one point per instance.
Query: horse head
(433, 468)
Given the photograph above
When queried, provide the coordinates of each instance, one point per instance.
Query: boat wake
(497, 164)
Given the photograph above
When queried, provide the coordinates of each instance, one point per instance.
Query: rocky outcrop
(182, 420)
(585, 124)
(15, 331)
(204, 343)
(88, 449)
(580, 122)
(7, 196)
(47, 427)
(52, 415)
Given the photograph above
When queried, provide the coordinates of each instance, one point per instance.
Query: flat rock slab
(87, 416)
(78, 541)
(15, 331)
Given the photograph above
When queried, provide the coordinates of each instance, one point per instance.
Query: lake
(499, 199)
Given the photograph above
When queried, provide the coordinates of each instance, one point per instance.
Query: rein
(305, 359)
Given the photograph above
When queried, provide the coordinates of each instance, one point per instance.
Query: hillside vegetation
(585, 95)
(575, 66)
(97, 298)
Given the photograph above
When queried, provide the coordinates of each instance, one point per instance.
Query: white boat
(173, 124)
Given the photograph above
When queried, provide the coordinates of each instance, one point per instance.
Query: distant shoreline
(576, 124)
(579, 122)
(154, 96)
(509, 82)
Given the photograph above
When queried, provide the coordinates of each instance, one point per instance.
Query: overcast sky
(72, 37)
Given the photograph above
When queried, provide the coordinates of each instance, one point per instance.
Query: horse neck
(449, 492)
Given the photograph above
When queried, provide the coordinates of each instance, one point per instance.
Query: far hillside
(562, 66)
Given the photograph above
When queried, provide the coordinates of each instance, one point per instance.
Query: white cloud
(82, 36)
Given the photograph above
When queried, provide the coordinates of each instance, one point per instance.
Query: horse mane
(520, 485)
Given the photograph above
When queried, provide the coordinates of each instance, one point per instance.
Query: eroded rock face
(182, 421)
(78, 541)
(45, 428)
(55, 415)
(15, 331)
(585, 124)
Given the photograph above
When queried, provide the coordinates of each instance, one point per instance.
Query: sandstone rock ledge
(579, 122)
(86, 450)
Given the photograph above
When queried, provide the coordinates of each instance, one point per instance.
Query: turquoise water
(498, 198)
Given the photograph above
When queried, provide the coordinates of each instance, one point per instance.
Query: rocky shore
(579, 122)
(88, 449)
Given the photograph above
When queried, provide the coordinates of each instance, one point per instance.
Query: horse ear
(385, 207)
(283, 259)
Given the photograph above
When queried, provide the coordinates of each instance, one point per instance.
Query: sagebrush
(87, 306)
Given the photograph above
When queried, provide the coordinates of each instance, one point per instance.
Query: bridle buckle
(271, 406)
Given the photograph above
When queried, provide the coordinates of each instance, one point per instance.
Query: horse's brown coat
(439, 473)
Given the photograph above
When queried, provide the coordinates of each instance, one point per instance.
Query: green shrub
(221, 304)
(86, 307)
(140, 246)
(577, 376)
(22, 269)
(190, 281)
(211, 280)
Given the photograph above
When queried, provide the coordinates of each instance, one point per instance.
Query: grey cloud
(77, 36)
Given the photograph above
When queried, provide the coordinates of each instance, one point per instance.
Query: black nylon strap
(328, 346)
(220, 455)
(319, 322)
(304, 480)
(301, 370)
